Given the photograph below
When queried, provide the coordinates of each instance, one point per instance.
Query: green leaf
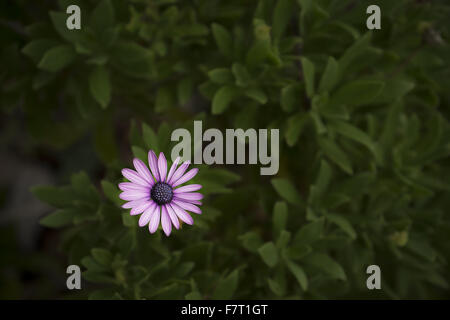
(432, 140)
(102, 256)
(102, 16)
(287, 190)
(283, 239)
(220, 175)
(241, 74)
(356, 185)
(208, 89)
(354, 51)
(309, 233)
(295, 126)
(349, 29)
(227, 286)
(317, 120)
(268, 253)
(280, 212)
(357, 93)
(330, 111)
(100, 60)
(275, 287)
(54, 196)
(150, 138)
(223, 40)
(320, 186)
(324, 177)
(86, 104)
(184, 269)
(256, 94)
(36, 48)
(306, 9)
(261, 50)
(222, 99)
(100, 86)
(349, 131)
(83, 187)
(57, 58)
(330, 76)
(132, 59)
(421, 247)
(389, 131)
(291, 97)
(92, 265)
(80, 181)
(308, 75)
(335, 154)
(131, 52)
(112, 192)
(57, 219)
(299, 274)
(298, 251)
(393, 90)
(342, 223)
(221, 75)
(251, 241)
(128, 220)
(139, 153)
(281, 17)
(327, 265)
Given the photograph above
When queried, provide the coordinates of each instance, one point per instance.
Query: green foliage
(364, 154)
(100, 86)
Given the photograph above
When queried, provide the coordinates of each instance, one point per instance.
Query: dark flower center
(161, 193)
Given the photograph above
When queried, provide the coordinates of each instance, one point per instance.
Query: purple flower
(158, 196)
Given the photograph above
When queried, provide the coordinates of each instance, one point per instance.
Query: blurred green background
(364, 145)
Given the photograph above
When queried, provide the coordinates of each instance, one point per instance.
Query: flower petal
(154, 220)
(134, 203)
(133, 176)
(179, 172)
(133, 195)
(173, 168)
(162, 167)
(165, 221)
(143, 171)
(153, 163)
(141, 208)
(189, 196)
(187, 176)
(199, 203)
(188, 188)
(173, 216)
(127, 186)
(182, 214)
(188, 206)
(147, 215)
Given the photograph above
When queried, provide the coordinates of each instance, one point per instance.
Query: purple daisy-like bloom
(158, 195)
